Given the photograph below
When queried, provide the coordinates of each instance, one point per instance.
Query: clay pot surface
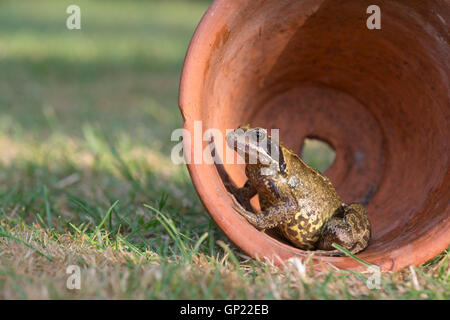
(312, 68)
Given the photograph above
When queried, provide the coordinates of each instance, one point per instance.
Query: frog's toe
(328, 253)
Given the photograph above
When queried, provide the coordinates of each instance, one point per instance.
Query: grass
(86, 177)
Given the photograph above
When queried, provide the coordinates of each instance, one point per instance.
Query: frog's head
(257, 147)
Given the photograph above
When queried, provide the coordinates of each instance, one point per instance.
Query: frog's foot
(269, 218)
(337, 253)
(328, 253)
(247, 214)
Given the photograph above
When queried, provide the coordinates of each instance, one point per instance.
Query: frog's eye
(258, 135)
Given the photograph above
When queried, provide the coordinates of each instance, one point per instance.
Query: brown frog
(294, 197)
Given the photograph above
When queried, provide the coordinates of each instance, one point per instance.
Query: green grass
(86, 176)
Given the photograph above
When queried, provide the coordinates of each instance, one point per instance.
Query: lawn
(86, 177)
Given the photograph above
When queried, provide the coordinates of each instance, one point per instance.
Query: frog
(295, 198)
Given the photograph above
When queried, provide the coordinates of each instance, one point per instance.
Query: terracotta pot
(312, 68)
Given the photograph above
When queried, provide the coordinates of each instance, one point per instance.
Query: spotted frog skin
(294, 197)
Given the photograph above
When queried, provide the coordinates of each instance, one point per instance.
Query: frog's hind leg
(349, 228)
(356, 216)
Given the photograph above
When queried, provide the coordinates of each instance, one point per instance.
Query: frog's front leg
(271, 217)
(350, 229)
(242, 195)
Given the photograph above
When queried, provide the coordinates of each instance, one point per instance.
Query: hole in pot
(318, 154)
